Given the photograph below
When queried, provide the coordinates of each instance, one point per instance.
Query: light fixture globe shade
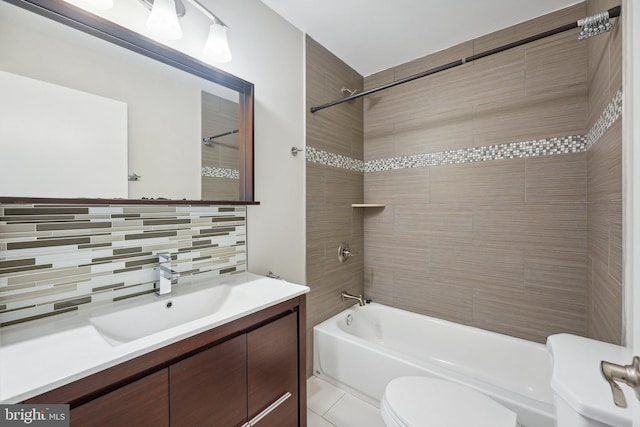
(163, 20)
(217, 47)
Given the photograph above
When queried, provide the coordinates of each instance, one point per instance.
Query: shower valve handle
(344, 253)
(347, 253)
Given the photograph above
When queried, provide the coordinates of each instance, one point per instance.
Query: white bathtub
(383, 343)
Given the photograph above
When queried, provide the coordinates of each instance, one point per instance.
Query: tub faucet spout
(346, 295)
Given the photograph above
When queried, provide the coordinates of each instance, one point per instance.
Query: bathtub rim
(331, 328)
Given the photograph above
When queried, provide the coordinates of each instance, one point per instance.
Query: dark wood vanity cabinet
(248, 372)
(144, 402)
(235, 382)
(272, 373)
(210, 388)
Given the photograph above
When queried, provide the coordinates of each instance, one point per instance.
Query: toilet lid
(422, 401)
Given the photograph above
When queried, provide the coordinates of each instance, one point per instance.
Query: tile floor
(328, 406)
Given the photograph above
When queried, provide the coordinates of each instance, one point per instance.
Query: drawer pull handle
(269, 409)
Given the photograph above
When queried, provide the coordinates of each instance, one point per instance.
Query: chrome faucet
(168, 277)
(346, 295)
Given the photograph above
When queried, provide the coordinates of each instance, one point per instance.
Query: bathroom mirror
(189, 126)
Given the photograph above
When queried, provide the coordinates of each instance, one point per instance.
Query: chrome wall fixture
(344, 253)
(347, 91)
(346, 295)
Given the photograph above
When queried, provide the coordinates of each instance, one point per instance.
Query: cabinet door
(273, 371)
(142, 403)
(210, 388)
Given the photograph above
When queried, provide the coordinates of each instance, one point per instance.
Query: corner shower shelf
(368, 205)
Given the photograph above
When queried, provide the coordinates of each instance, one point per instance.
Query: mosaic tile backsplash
(56, 258)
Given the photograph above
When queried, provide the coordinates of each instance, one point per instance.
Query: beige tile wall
(494, 244)
(604, 187)
(532, 92)
(330, 191)
(499, 244)
(214, 188)
(527, 247)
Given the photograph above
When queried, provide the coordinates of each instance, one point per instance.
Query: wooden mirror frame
(72, 16)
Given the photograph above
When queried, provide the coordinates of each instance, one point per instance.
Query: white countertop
(44, 354)
(576, 377)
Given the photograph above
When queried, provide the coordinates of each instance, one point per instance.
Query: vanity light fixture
(217, 46)
(163, 22)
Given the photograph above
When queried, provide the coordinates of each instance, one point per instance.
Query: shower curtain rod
(220, 135)
(614, 12)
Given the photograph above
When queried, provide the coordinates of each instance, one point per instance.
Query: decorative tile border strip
(220, 172)
(59, 258)
(316, 155)
(608, 117)
(513, 150)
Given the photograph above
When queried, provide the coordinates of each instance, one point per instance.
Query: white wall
(631, 173)
(269, 52)
(631, 180)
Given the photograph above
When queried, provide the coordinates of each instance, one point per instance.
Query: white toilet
(583, 398)
(431, 402)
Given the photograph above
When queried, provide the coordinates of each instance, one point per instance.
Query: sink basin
(95, 338)
(163, 313)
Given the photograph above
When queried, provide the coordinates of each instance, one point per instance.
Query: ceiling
(374, 35)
